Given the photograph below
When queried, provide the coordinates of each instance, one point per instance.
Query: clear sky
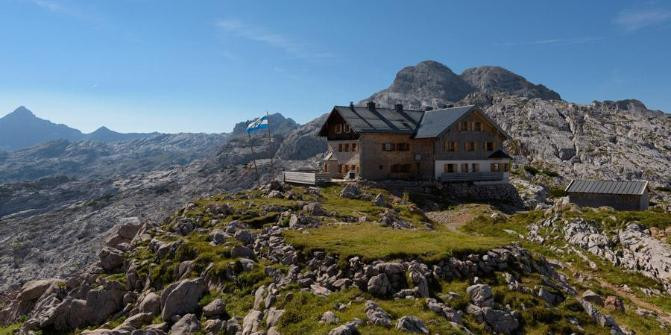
(201, 66)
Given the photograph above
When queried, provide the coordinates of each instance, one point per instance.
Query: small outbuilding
(621, 195)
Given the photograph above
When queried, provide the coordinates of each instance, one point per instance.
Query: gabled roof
(436, 121)
(607, 187)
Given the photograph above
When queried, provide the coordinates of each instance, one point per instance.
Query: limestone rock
(188, 324)
(411, 324)
(214, 309)
(181, 297)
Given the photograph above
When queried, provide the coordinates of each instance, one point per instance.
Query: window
(450, 168)
(469, 146)
(402, 146)
(346, 128)
(500, 167)
(353, 147)
(339, 147)
(464, 167)
(326, 167)
(475, 167)
(478, 126)
(346, 147)
(340, 168)
(388, 146)
(490, 146)
(505, 167)
(463, 126)
(338, 128)
(494, 167)
(451, 146)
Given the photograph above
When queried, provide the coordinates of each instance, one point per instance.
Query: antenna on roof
(351, 103)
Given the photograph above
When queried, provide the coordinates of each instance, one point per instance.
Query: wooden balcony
(472, 176)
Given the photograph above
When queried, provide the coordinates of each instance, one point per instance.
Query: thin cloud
(275, 40)
(633, 20)
(552, 41)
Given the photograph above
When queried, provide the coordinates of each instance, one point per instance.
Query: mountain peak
(20, 112)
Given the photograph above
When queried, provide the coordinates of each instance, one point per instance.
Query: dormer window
(478, 126)
(346, 128)
(338, 128)
(463, 126)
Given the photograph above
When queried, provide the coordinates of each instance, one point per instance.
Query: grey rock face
(346, 329)
(181, 297)
(110, 259)
(151, 303)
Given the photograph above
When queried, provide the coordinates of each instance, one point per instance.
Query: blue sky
(201, 66)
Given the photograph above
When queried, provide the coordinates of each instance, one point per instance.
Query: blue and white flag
(258, 124)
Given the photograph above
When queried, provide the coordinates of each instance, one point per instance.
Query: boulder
(136, 321)
(30, 293)
(242, 252)
(376, 315)
(244, 236)
(252, 322)
(218, 236)
(214, 309)
(110, 259)
(151, 303)
(500, 321)
(314, 208)
(379, 200)
(329, 318)
(592, 297)
(552, 298)
(411, 324)
(186, 325)
(346, 329)
(123, 232)
(350, 191)
(181, 297)
(213, 326)
(614, 303)
(273, 316)
(481, 295)
(379, 285)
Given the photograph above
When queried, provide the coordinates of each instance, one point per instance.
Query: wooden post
(256, 170)
(270, 142)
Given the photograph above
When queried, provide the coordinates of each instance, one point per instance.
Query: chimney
(399, 108)
(351, 104)
(371, 105)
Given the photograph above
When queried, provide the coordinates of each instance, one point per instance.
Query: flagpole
(256, 170)
(270, 142)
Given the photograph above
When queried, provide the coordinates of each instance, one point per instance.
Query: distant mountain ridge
(23, 129)
(430, 83)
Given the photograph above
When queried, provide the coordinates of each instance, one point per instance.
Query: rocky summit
(172, 234)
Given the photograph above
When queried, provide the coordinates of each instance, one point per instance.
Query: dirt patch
(460, 215)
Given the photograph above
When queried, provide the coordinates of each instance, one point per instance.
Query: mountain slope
(22, 129)
(495, 79)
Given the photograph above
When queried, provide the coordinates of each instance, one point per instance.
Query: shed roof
(607, 187)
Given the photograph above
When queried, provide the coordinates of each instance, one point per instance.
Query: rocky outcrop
(495, 79)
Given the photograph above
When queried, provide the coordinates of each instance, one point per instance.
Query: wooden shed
(621, 195)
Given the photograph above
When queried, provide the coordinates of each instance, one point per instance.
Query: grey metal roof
(607, 187)
(436, 121)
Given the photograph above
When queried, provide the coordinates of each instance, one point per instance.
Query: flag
(258, 124)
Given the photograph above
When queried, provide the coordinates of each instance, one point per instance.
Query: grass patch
(10, 329)
(371, 241)
(612, 219)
